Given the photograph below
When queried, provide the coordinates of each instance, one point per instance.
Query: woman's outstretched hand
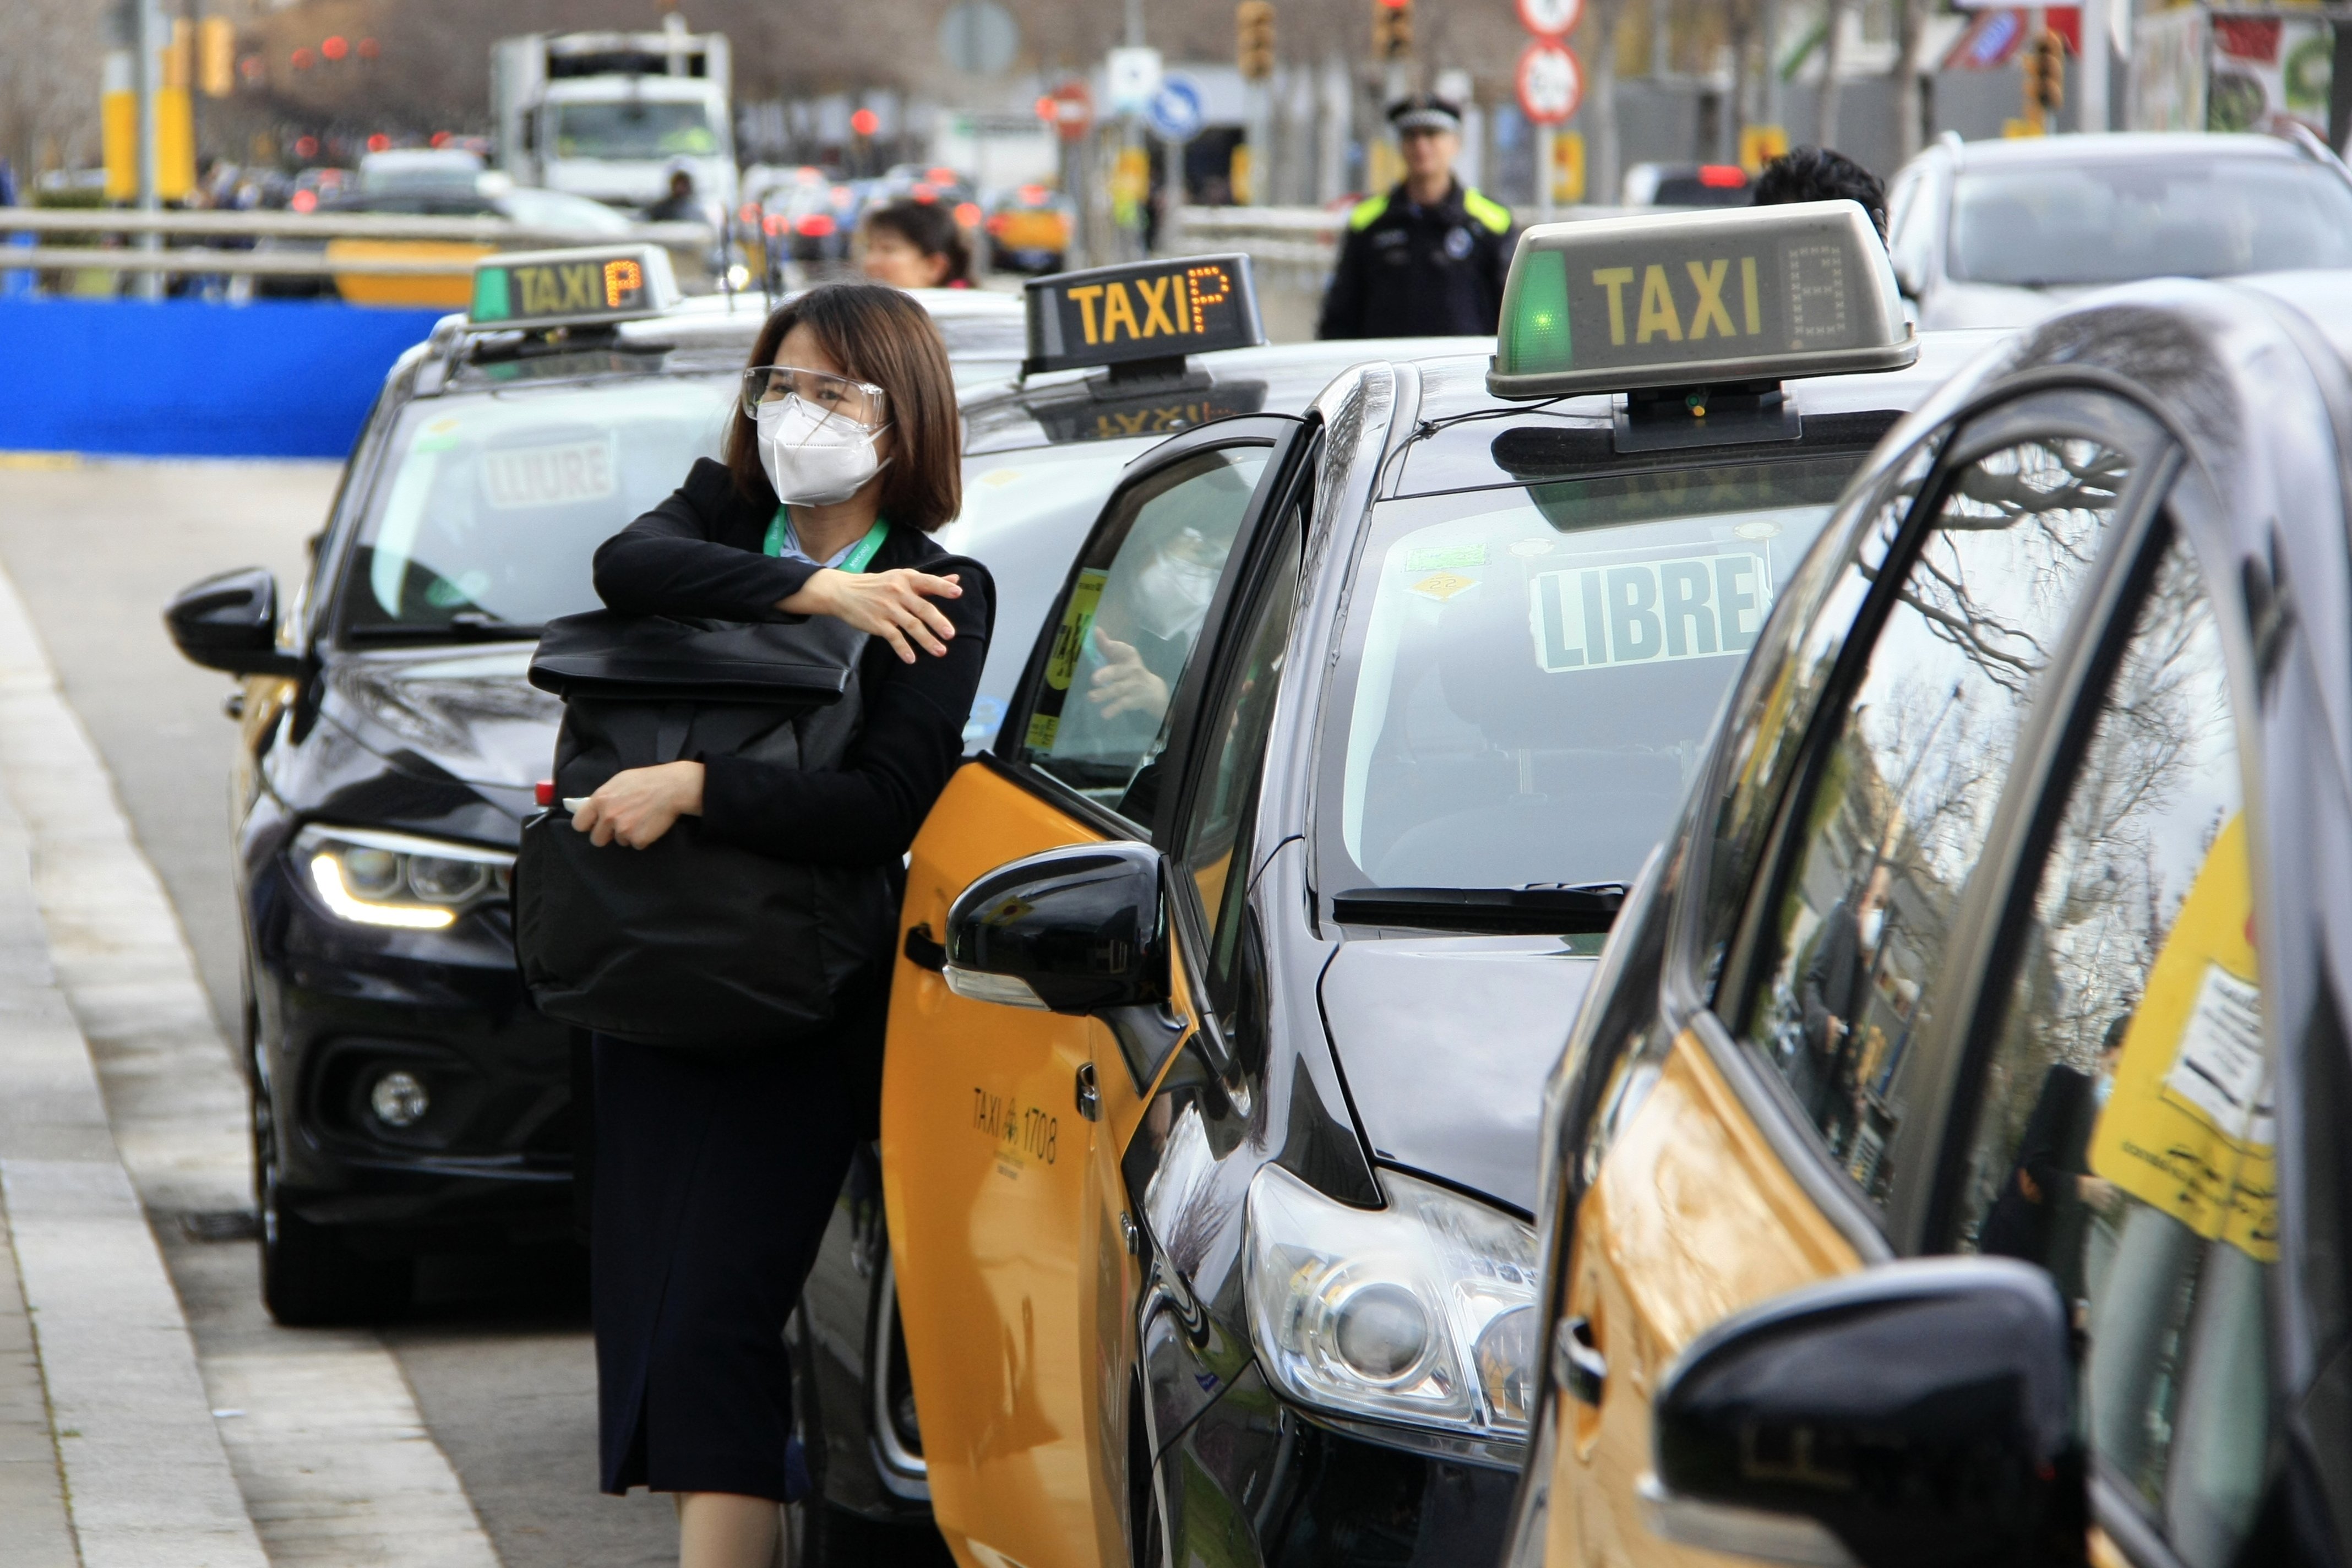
(637, 806)
(894, 605)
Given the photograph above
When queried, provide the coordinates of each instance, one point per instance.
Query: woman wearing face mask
(714, 1176)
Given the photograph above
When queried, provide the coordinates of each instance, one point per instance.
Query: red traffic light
(379, 142)
(865, 123)
(302, 59)
(336, 47)
(369, 49)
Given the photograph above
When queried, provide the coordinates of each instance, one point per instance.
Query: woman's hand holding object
(637, 806)
(891, 604)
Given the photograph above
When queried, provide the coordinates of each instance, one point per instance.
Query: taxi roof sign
(1159, 309)
(1696, 299)
(584, 287)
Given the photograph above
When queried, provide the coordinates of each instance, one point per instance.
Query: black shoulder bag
(690, 942)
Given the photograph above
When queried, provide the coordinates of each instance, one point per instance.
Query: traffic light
(1392, 29)
(1254, 26)
(216, 57)
(2045, 76)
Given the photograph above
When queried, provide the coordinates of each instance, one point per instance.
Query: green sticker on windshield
(1445, 558)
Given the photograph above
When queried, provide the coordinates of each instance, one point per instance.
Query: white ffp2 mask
(811, 459)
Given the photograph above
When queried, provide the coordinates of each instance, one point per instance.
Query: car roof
(1084, 405)
(2122, 146)
(1460, 419)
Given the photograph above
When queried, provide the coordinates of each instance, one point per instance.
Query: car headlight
(395, 879)
(1420, 1312)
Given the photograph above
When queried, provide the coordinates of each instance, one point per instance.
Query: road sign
(1174, 110)
(1550, 82)
(1130, 79)
(979, 37)
(1070, 109)
(1550, 19)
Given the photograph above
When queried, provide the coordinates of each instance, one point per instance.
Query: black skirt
(714, 1179)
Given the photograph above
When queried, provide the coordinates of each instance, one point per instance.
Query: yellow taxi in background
(1946, 1166)
(1029, 229)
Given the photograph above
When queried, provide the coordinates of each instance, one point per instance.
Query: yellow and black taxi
(1232, 970)
(1946, 1166)
(406, 1096)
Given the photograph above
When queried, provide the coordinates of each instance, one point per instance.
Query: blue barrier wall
(183, 378)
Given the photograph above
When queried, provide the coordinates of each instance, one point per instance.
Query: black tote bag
(692, 943)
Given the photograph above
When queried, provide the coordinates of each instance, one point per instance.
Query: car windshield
(1535, 670)
(2116, 221)
(494, 503)
(635, 128)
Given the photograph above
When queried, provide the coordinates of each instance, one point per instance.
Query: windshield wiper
(1540, 909)
(466, 626)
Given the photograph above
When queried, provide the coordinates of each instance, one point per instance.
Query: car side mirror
(1077, 929)
(1916, 1414)
(230, 622)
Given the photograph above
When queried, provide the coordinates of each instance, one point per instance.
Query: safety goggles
(836, 398)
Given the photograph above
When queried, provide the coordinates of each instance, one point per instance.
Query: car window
(2115, 220)
(633, 128)
(1232, 762)
(1907, 789)
(1530, 674)
(1911, 227)
(2122, 1138)
(1130, 618)
(492, 505)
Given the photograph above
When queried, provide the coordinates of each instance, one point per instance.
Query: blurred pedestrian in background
(682, 204)
(1819, 174)
(717, 1170)
(1428, 259)
(916, 245)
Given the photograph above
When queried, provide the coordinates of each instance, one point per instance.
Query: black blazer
(699, 554)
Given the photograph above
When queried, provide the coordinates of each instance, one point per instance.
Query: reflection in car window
(492, 505)
(1530, 673)
(2109, 221)
(1908, 792)
(2122, 1139)
(1134, 612)
(1233, 742)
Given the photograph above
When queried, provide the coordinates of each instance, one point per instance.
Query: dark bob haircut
(879, 334)
(1819, 174)
(931, 228)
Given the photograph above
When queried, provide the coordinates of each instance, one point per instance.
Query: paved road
(497, 1357)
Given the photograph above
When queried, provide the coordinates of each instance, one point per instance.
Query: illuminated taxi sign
(1146, 310)
(571, 288)
(1752, 294)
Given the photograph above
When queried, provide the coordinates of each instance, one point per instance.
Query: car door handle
(1577, 1364)
(924, 951)
(1089, 1095)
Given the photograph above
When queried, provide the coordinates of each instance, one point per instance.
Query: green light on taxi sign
(1693, 298)
(571, 288)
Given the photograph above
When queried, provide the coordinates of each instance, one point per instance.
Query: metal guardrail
(692, 239)
(1304, 237)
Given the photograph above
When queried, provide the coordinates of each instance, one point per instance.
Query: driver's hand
(1125, 684)
(894, 605)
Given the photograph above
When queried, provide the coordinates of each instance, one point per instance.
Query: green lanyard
(779, 533)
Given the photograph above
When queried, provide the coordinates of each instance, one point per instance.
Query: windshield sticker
(1445, 558)
(1069, 645)
(1444, 586)
(553, 475)
(1646, 612)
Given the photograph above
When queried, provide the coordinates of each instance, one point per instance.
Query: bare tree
(1599, 111)
(49, 72)
(1911, 37)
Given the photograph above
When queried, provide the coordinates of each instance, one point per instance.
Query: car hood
(1445, 1043)
(465, 713)
(1964, 305)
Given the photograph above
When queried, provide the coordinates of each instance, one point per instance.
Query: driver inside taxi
(1158, 612)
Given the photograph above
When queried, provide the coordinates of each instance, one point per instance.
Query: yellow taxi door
(1795, 1129)
(1001, 1127)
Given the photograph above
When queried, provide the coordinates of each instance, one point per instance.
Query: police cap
(1424, 111)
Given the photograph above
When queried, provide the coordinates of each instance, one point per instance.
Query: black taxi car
(1233, 971)
(1948, 1165)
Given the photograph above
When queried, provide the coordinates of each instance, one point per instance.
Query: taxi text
(1174, 304)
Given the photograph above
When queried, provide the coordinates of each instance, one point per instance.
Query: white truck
(613, 115)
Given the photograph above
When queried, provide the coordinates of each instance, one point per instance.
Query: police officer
(1427, 259)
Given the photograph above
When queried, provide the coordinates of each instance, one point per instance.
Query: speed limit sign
(1551, 84)
(1550, 19)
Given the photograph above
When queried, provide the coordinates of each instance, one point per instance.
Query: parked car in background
(1687, 185)
(1999, 234)
(420, 190)
(1029, 229)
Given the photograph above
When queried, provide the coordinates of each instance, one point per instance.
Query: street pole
(2091, 114)
(145, 70)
